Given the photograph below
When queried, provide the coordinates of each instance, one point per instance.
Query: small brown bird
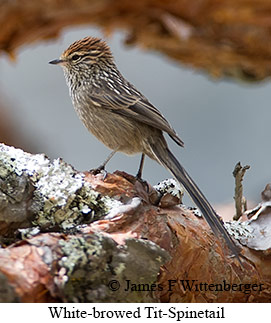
(123, 119)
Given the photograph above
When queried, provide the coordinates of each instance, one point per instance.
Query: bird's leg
(139, 173)
(101, 168)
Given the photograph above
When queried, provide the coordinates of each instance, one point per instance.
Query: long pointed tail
(167, 159)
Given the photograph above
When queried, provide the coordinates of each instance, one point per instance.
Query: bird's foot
(143, 182)
(99, 170)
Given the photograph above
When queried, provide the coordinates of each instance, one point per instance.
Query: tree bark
(71, 236)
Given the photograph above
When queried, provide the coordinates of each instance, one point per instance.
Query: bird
(124, 120)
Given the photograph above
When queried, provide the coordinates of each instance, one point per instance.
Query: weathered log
(117, 239)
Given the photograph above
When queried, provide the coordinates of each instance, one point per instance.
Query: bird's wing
(127, 101)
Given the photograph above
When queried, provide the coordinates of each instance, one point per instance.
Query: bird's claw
(143, 182)
(99, 170)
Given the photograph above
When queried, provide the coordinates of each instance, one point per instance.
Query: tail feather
(167, 159)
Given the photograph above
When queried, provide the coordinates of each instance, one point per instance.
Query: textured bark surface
(222, 37)
(110, 231)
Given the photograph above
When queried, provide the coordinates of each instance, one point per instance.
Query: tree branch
(110, 240)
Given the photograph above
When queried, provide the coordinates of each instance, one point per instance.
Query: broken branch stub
(240, 201)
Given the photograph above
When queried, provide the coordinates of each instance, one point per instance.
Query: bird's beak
(56, 61)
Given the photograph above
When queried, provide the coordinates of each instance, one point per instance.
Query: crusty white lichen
(239, 230)
(170, 186)
(61, 196)
(16, 160)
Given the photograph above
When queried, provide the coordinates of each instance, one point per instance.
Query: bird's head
(84, 53)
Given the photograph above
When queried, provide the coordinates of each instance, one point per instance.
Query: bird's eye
(75, 57)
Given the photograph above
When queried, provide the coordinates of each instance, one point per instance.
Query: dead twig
(240, 201)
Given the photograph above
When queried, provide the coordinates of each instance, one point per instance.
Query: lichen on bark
(37, 191)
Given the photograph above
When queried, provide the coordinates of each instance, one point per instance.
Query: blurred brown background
(221, 120)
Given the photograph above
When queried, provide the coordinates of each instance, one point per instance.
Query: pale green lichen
(90, 262)
(79, 250)
(84, 265)
(61, 196)
(119, 269)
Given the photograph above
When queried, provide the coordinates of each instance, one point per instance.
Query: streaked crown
(87, 50)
